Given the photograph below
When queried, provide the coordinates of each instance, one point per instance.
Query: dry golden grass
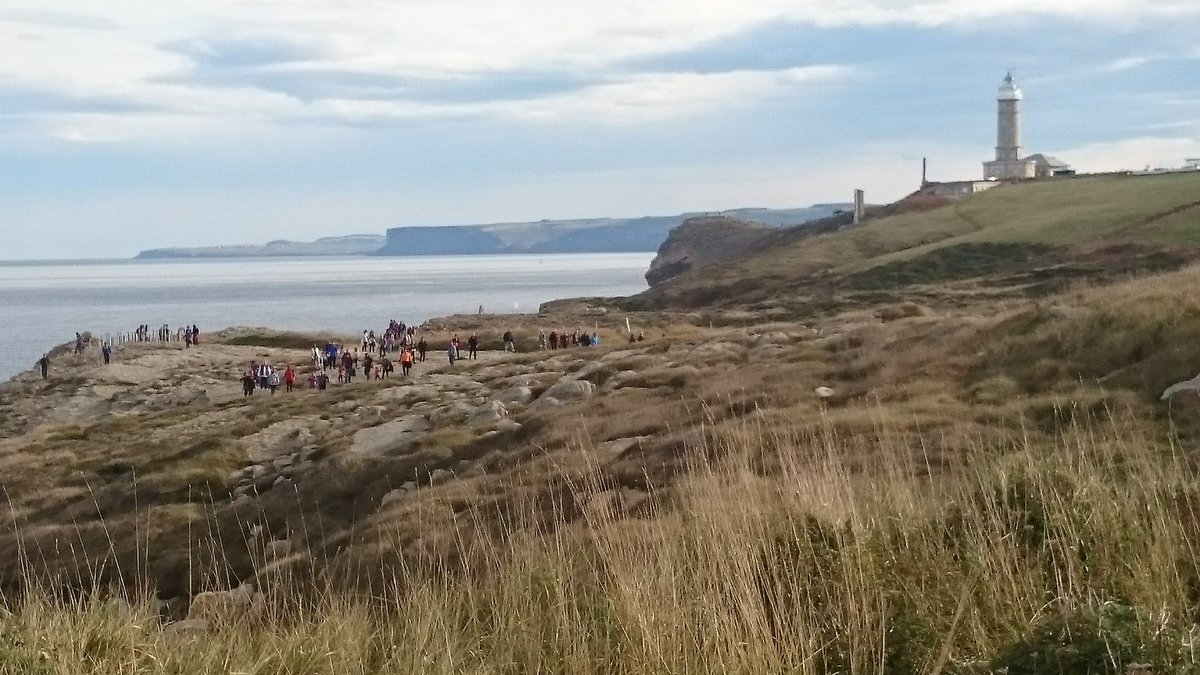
(777, 553)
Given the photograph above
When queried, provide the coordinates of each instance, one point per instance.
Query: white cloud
(652, 96)
(445, 38)
(1132, 154)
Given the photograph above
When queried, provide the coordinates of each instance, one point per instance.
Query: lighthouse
(1008, 164)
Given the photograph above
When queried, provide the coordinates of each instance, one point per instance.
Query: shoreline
(341, 295)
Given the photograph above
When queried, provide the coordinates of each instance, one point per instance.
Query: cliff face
(701, 241)
(355, 244)
(592, 235)
(450, 240)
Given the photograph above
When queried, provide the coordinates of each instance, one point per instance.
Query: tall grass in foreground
(774, 554)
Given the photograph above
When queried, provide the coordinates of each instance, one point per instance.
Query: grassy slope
(1074, 216)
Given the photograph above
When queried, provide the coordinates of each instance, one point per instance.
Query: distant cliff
(590, 235)
(594, 235)
(354, 244)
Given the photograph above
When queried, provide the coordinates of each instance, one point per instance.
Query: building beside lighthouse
(1009, 163)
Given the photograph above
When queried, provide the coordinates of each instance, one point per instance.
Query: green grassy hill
(1048, 229)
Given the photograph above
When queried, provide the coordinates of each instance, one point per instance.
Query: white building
(1009, 165)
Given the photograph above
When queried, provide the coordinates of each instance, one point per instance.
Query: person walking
(422, 347)
(406, 362)
(473, 347)
(106, 352)
(44, 364)
(289, 378)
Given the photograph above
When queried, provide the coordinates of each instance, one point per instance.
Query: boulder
(282, 438)
(409, 394)
(490, 412)
(170, 609)
(277, 550)
(265, 481)
(518, 395)
(718, 351)
(565, 390)
(621, 380)
(187, 627)
(451, 413)
(439, 476)
(390, 437)
(391, 498)
(242, 602)
(506, 425)
(620, 446)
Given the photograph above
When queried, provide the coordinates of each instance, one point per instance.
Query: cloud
(1132, 153)
(625, 100)
(653, 96)
(246, 51)
(17, 100)
(46, 17)
(318, 81)
(933, 13)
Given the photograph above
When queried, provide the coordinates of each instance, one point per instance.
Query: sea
(44, 303)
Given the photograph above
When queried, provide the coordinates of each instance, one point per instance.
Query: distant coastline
(591, 235)
(354, 244)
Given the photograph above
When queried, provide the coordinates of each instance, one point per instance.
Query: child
(341, 374)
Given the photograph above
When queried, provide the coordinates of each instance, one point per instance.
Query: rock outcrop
(701, 241)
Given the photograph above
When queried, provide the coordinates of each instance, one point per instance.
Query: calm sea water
(44, 304)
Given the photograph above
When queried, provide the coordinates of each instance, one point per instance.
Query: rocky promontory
(162, 442)
(701, 241)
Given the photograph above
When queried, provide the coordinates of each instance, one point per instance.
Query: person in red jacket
(289, 377)
(406, 361)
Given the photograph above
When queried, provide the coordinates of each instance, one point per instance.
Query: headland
(953, 424)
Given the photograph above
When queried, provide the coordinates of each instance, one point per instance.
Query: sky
(127, 125)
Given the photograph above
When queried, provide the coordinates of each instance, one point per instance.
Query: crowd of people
(189, 335)
(375, 357)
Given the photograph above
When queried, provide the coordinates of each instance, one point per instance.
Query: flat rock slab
(390, 437)
(566, 390)
(282, 438)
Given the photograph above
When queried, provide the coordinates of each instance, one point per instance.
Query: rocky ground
(157, 470)
(157, 465)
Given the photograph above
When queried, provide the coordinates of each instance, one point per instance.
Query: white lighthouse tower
(1008, 164)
